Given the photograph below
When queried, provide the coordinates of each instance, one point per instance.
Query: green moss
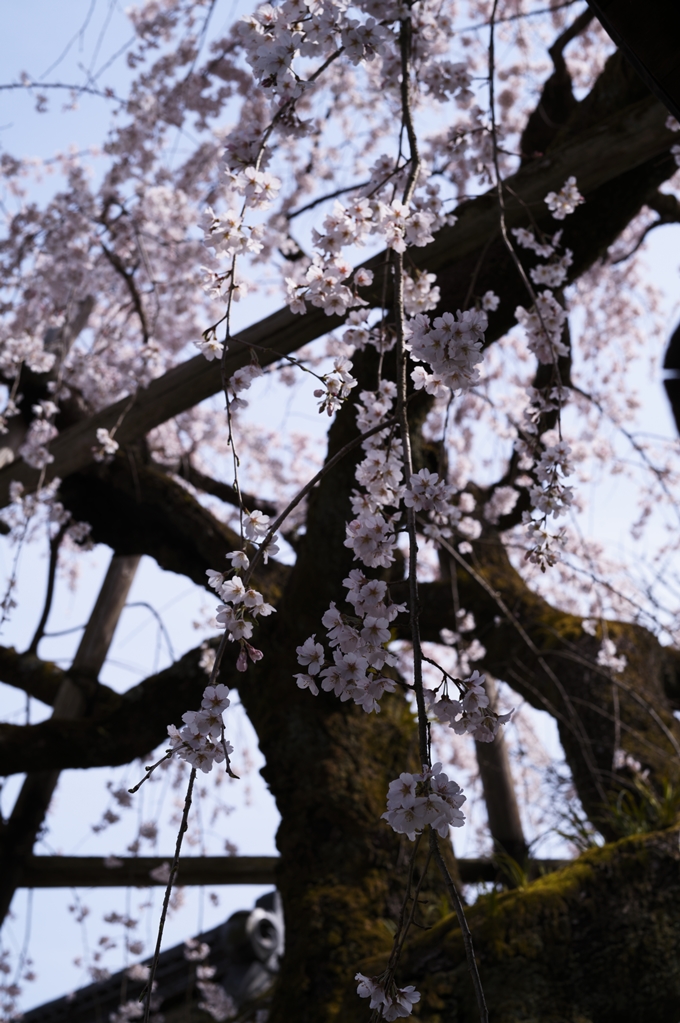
(597, 942)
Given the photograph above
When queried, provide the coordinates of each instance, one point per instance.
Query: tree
(447, 449)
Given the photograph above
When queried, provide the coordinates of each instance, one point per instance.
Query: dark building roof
(244, 952)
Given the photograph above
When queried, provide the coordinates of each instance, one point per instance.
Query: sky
(54, 42)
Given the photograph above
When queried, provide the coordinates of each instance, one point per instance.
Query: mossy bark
(597, 942)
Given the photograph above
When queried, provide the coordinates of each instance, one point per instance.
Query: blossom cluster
(105, 447)
(564, 202)
(541, 402)
(544, 325)
(543, 546)
(470, 715)
(243, 605)
(551, 496)
(452, 348)
(415, 801)
(34, 450)
(322, 285)
(337, 385)
(229, 236)
(550, 463)
(397, 224)
(201, 740)
(607, 657)
(545, 322)
(215, 1000)
(397, 1004)
(358, 643)
(24, 350)
(372, 535)
(240, 381)
(275, 38)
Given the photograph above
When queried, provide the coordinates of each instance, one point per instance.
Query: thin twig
(463, 924)
(402, 403)
(103, 93)
(147, 992)
(159, 622)
(501, 209)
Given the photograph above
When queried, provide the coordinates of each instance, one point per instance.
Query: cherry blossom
(201, 740)
(398, 1004)
(415, 801)
(564, 202)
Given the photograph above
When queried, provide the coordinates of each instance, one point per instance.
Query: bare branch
(118, 728)
(19, 832)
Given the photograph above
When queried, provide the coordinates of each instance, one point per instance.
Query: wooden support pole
(502, 808)
(18, 834)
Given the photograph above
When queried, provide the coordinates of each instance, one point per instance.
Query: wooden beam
(97, 872)
(596, 156)
(136, 871)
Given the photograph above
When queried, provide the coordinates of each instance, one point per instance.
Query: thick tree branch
(610, 141)
(39, 679)
(136, 508)
(547, 657)
(502, 809)
(223, 491)
(117, 728)
(18, 834)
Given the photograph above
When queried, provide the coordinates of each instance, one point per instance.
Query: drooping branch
(55, 544)
(129, 278)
